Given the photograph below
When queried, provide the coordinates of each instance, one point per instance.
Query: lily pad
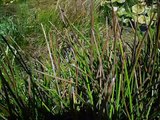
(141, 19)
(138, 9)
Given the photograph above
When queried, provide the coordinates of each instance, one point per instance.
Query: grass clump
(88, 70)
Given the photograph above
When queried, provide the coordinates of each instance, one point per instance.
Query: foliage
(140, 12)
(88, 71)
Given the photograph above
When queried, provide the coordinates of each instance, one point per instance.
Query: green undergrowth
(85, 68)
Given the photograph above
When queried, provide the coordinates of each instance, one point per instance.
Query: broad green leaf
(138, 9)
(121, 11)
(141, 19)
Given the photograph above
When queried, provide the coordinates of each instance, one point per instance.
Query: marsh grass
(85, 73)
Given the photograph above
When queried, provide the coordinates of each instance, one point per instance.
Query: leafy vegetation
(80, 60)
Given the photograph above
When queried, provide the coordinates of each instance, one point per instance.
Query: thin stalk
(149, 109)
(140, 48)
(128, 83)
(112, 99)
(119, 91)
(89, 89)
(92, 35)
(52, 63)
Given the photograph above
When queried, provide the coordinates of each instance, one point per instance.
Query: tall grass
(85, 73)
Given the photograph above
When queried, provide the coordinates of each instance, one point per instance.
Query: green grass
(81, 68)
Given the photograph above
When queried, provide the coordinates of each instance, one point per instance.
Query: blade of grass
(52, 63)
(128, 82)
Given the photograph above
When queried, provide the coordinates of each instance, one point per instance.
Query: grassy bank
(79, 60)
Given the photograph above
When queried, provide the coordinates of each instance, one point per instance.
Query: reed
(85, 73)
